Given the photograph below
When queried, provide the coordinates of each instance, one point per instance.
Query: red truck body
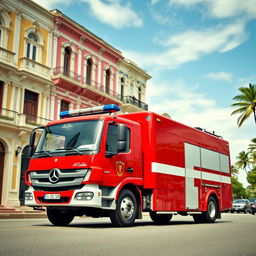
(164, 168)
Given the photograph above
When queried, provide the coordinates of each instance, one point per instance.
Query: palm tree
(246, 103)
(252, 150)
(244, 161)
(252, 145)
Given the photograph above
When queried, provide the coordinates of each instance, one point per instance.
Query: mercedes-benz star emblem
(54, 175)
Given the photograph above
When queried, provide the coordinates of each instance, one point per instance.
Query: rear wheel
(160, 219)
(126, 209)
(59, 218)
(210, 215)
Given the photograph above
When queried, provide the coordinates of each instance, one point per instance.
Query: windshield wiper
(70, 148)
(45, 152)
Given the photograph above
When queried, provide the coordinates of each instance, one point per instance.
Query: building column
(17, 37)
(49, 54)
(79, 63)
(55, 62)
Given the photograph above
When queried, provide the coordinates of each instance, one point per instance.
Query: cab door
(119, 159)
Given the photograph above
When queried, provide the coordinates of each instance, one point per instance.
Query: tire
(199, 218)
(126, 210)
(210, 215)
(160, 219)
(212, 210)
(58, 218)
(253, 213)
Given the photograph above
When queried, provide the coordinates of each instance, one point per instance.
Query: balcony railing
(7, 57)
(26, 119)
(35, 68)
(132, 100)
(85, 81)
(21, 119)
(7, 115)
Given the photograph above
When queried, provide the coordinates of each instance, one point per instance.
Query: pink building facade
(84, 68)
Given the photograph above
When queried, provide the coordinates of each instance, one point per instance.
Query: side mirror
(32, 138)
(122, 137)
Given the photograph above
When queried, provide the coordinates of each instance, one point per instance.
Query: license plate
(52, 196)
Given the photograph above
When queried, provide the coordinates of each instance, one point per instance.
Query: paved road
(234, 234)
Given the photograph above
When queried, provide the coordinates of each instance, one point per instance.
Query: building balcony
(31, 121)
(7, 57)
(93, 90)
(131, 104)
(35, 68)
(10, 118)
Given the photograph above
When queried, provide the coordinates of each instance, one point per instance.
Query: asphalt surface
(234, 234)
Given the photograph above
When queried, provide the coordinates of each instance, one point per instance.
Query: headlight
(28, 196)
(84, 196)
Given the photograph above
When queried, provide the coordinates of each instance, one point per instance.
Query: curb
(22, 215)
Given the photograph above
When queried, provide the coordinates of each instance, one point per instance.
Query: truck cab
(80, 162)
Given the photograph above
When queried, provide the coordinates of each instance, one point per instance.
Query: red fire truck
(96, 163)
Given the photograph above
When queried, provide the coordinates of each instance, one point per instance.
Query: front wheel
(126, 209)
(59, 218)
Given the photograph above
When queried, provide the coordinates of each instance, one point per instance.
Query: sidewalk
(21, 212)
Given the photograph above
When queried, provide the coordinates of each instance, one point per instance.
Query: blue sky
(198, 52)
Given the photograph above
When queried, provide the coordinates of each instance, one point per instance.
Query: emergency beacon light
(90, 111)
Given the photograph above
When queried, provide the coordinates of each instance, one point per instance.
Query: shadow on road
(139, 223)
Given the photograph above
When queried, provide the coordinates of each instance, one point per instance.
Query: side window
(112, 139)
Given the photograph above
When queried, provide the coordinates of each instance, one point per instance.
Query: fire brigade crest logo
(119, 168)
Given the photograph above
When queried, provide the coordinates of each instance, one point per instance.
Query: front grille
(52, 189)
(67, 178)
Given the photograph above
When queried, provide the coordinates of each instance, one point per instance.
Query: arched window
(32, 45)
(122, 89)
(89, 71)
(4, 28)
(107, 81)
(67, 57)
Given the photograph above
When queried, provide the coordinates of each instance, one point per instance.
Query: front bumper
(65, 198)
(238, 208)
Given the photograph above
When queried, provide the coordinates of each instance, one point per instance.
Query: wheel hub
(127, 208)
(212, 209)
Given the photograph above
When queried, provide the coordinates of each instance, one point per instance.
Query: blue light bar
(90, 111)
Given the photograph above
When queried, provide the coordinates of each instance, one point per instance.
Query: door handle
(129, 169)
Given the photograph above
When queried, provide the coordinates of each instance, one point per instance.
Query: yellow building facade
(25, 87)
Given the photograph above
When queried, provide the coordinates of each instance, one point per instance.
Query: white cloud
(154, 1)
(192, 45)
(186, 105)
(114, 14)
(52, 3)
(223, 8)
(220, 76)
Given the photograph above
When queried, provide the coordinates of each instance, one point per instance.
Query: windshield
(74, 137)
(240, 201)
